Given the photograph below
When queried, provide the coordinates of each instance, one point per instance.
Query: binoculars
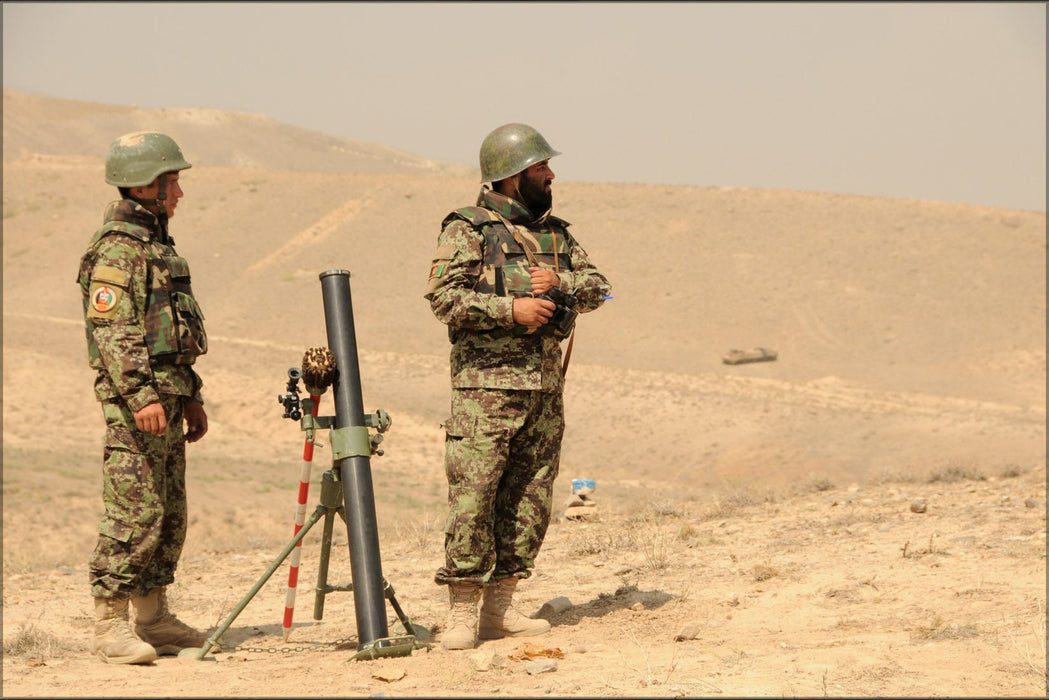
(565, 314)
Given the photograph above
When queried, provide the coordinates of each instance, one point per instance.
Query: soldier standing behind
(503, 440)
(144, 332)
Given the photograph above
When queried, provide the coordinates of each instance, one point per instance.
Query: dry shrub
(33, 643)
(692, 536)
(730, 504)
(589, 542)
(416, 533)
(666, 509)
(819, 484)
(955, 472)
(763, 572)
(1011, 471)
(650, 513)
(687, 532)
(656, 551)
(938, 629)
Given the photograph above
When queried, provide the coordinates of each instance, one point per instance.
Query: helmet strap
(162, 195)
(518, 195)
(158, 203)
(504, 188)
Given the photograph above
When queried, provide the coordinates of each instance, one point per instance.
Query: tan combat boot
(460, 631)
(498, 619)
(114, 642)
(156, 624)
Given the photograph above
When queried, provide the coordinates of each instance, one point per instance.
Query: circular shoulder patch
(103, 299)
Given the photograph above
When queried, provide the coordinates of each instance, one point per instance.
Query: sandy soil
(864, 516)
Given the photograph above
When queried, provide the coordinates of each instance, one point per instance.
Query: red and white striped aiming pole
(318, 371)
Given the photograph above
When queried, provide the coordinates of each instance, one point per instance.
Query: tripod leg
(322, 567)
(331, 500)
(213, 639)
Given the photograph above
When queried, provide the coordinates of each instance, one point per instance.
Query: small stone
(537, 666)
(689, 631)
(580, 513)
(1031, 503)
(918, 506)
(555, 606)
(481, 661)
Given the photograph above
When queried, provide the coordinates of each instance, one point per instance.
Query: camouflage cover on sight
(143, 326)
(479, 268)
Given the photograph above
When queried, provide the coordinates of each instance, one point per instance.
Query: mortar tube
(355, 469)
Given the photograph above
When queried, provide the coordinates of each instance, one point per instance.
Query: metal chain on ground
(313, 646)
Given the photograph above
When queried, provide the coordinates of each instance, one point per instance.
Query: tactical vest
(504, 268)
(173, 323)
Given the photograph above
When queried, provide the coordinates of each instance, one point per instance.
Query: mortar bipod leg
(420, 633)
(212, 641)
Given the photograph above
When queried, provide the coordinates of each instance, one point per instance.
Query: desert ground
(863, 516)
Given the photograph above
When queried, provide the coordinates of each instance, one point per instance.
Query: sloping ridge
(43, 126)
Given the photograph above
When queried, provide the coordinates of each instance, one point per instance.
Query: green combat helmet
(510, 149)
(135, 160)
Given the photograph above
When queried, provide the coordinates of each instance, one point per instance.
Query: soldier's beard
(535, 197)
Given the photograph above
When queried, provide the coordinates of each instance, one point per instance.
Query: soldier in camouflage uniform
(144, 332)
(503, 440)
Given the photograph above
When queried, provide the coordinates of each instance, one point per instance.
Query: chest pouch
(174, 321)
(513, 278)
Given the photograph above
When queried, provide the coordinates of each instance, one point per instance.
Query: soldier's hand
(152, 419)
(532, 312)
(543, 280)
(196, 420)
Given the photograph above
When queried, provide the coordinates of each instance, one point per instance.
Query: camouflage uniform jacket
(478, 269)
(144, 328)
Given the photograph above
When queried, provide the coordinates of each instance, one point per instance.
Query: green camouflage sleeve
(457, 264)
(119, 332)
(584, 281)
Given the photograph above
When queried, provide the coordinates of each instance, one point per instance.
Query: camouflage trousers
(502, 450)
(143, 528)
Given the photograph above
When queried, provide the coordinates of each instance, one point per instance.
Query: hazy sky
(938, 101)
